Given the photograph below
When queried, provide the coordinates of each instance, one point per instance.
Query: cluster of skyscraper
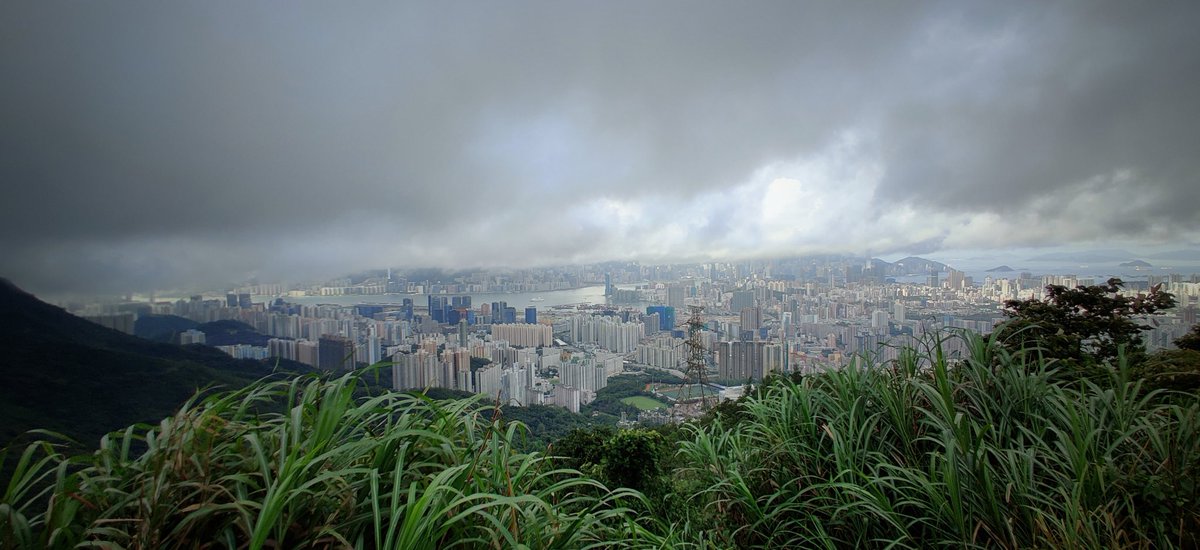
(760, 319)
(452, 309)
(536, 373)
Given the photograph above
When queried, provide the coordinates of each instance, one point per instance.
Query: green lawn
(643, 403)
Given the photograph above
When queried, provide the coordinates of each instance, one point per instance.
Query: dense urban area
(755, 319)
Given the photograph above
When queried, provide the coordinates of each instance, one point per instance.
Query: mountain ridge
(66, 374)
(916, 265)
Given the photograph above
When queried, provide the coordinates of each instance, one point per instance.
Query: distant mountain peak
(916, 265)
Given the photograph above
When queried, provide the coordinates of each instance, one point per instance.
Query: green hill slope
(63, 373)
(161, 328)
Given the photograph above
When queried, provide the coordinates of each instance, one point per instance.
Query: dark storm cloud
(1062, 94)
(145, 144)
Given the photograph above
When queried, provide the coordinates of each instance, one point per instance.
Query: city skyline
(164, 146)
(799, 316)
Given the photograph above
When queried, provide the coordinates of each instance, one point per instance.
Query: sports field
(643, 403)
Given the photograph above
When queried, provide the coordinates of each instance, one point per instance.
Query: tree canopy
(1189, 341)
(1175, 369)
(1085, 326)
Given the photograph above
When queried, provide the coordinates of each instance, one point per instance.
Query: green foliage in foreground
(330, 470)
(922, 453)
(995, 450)
(1176, 369)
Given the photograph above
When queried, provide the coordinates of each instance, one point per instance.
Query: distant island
(1136, 263)
(914, 265)
(1000, 269)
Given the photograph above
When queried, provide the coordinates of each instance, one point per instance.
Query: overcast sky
(163, 144)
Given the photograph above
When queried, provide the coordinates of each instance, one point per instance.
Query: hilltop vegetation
(226, 332)
(162, 328)
(989, 451)
(328, 470)
(996, 450)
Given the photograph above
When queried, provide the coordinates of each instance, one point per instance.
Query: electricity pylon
(697, 362)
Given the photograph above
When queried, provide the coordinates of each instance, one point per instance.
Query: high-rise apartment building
(675, 296)
(666, 316)
(741, 299)
(879, 321)
(652, 323)
(524, 335)
(437, 308)
(415, 371)
(740, 361)
(335, 353)
(663, 352)
(583, 374)
(751, 318)
(307, 353)
(955, 279)
(607, 332)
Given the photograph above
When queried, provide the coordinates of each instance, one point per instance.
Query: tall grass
(304, 463)
(923, 452)
(995, 449)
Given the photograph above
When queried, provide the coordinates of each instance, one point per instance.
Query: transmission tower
(696, 387)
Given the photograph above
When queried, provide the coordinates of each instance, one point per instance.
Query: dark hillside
(63, 373)
(162, 328)
(232, 333)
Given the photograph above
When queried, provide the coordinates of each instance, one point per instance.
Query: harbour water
(1099, 272)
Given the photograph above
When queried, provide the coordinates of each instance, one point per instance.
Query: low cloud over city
(151, 145)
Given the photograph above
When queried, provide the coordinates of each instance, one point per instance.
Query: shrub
(988, 452)
(304, 463)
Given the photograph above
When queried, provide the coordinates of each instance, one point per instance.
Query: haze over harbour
(545, 299)
(595, 294)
